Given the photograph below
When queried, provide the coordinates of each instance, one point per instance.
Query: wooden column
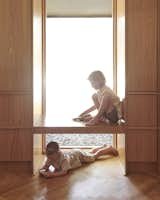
(158, 93)
(16, 93)
(38, 62)
(120, 67)
(141, 85)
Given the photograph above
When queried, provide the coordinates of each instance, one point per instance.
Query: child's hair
(97, 76)
(52, 147)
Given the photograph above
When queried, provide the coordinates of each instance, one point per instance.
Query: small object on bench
(84, 118)
(78, 119)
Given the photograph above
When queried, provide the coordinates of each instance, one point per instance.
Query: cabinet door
(141, 45)
(141, 146)
(16, 145)
(16, 111)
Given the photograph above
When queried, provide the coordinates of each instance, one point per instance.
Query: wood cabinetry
(158, 55)
(141, 85)
(142, 110)
(141, 45)
(16, 145)
(16, 93)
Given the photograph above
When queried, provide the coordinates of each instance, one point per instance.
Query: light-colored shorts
(84, 156)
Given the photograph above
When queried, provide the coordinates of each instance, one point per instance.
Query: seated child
(64, 161)
(105, 101)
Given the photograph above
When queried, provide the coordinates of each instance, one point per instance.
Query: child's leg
(94, 150)
(106, 151)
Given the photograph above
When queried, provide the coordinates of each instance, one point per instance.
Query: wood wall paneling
(21, 110)
(142, 111)
(158, 49)
(141, 45)
(158, 151)
(16, 45)
(141, 146)
(141, 84)
(158, 23)
(4, 110)
(16, 145)
(16, 111)
(158, 110)
(16, 81)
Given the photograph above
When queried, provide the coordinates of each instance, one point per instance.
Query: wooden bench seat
(64, 124)
(44, 126)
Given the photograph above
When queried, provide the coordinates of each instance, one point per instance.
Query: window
(74, 48)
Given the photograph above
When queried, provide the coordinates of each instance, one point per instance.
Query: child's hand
(41, 171)
(46, 174)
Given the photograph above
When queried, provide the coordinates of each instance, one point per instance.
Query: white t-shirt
(115, 99)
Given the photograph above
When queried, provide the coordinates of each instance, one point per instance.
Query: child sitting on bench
(106, 102)
(64, 161)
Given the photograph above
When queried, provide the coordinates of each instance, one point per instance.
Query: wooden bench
(68, 126)
(41, 127)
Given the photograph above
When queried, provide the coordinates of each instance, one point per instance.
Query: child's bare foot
(114, 151)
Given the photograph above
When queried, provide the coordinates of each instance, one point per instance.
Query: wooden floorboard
(102, 180)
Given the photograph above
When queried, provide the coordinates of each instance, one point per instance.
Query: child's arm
(46, 165)
(48, 174)
(88, 111)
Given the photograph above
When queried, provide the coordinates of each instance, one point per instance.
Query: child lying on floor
(105, 101)
(64, 161)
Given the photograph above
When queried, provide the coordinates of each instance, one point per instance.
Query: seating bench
(42, 126)
(61, 125)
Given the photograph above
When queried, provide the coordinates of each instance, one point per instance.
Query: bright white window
(74, 48)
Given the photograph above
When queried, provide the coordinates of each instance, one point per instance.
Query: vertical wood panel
(6, 138)
(16, 111)
(158, 49)
(158, 53)
(20, 111)
(158, 97)
(141, 82)
(16, 45)
(141, 45)
(16, 77)
(4, 110)
(142, 146)
(142, 111)
(16, 145)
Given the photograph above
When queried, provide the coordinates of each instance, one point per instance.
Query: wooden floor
(102, 180)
